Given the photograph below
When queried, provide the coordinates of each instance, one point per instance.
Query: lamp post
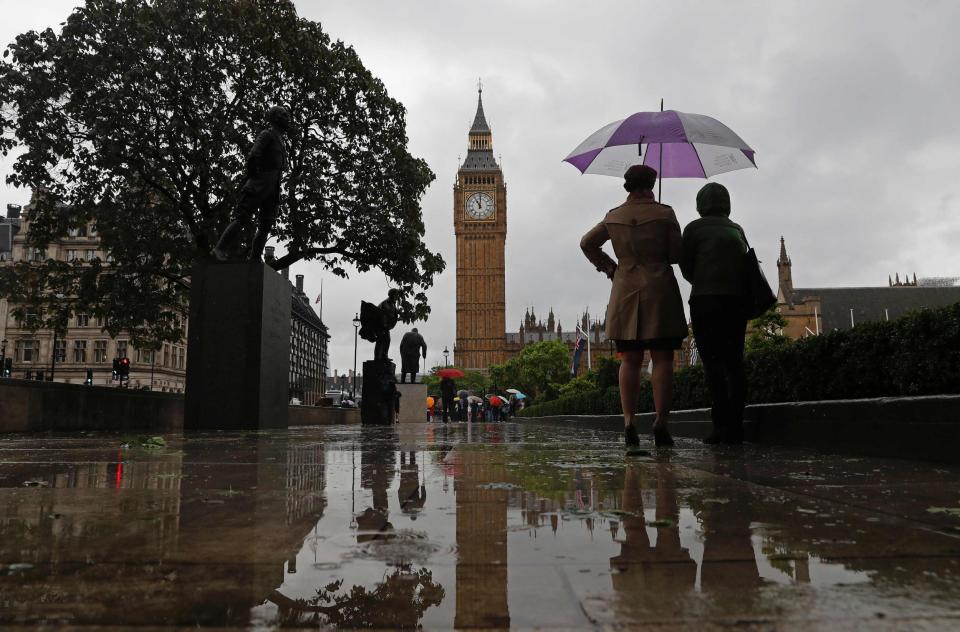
(356, 329)
(446, 352)
(3, 356)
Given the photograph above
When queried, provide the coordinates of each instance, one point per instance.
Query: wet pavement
(457, 526)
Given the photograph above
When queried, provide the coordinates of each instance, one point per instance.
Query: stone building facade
(308, 349)
(85, 347)
(480, 227)
(813, 311)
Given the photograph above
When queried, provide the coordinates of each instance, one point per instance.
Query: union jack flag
(577, 350)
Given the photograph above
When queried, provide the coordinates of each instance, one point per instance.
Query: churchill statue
(412, 345)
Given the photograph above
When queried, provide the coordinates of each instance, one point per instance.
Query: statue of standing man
(260, 193)
(411, 346)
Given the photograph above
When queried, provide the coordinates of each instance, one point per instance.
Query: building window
(166, 356)
(90, 255)
(36, 254)
(80, 231)
(72, 254)
(83, 320)
(145, 356)
(181, 357)
(60, 350)
(28, 350)
(100, 351)
(121, 349)
(80, 351)
(93, 229)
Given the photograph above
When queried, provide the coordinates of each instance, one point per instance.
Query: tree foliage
(137, 115)
(538, 370)
(766, 332)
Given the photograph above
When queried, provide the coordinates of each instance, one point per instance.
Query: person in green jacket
(712, 261)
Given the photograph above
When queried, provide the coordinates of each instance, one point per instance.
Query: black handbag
(757, 297)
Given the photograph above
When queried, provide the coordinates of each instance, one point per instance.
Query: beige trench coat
(645, 302)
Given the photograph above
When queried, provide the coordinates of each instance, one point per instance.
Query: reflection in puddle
(442, 528)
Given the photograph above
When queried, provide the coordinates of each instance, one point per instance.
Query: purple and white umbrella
(676, 144)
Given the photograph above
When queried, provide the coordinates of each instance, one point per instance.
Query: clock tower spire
(480, 226)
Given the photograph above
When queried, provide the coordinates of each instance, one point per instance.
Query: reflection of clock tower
(480, 224)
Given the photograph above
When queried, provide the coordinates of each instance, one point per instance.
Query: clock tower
(480, 225)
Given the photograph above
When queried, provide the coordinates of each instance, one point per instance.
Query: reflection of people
(261, 190)
(411, 494)
(645, 312)
(713, 249)
(412, 345)
(650, 578)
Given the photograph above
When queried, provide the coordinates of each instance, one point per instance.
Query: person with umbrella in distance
(448, 390)
(645, 312)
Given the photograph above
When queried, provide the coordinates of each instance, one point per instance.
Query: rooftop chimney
(13, 211)
(268, 253)
(300, 283)
(286, 273)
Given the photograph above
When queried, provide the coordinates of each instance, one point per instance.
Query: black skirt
(652, 344)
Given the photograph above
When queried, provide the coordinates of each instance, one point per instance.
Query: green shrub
(918, 354)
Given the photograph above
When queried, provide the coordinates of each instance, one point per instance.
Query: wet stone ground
(456, 526)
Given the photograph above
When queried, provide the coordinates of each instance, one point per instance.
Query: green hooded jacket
(713, 247)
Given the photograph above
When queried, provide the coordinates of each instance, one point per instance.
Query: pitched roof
(479, 120)
(304, 311)
(480, 160)
(873, 303)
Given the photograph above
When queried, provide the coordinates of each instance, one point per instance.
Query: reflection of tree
(396, 603)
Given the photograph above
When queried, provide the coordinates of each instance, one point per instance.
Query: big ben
(480, 225)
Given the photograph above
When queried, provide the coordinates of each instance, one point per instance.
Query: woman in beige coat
(645, 312)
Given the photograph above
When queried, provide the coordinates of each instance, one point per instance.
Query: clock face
(479, 206)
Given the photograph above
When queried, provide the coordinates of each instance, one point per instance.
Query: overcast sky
(850, 106)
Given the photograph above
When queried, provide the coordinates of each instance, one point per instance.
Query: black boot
(630, 436)
(662, 438)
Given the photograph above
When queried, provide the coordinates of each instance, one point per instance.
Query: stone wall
(31, 406)
(323, 415)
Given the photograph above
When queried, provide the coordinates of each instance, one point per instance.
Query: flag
(694, 353)
(319, 298)
(577, 350)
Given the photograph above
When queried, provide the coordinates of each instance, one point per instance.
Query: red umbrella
(451, 373)
(496, 401)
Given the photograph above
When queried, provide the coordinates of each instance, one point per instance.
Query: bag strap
(745, 240)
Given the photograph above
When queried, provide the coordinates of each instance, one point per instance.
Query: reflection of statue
(261, 190)
(376, 323)
(411, 494)
(411, 346)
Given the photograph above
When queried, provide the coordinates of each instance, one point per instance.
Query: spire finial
(480, 85)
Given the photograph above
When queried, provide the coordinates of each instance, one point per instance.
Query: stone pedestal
(238, 353)
(379, 393)
(413, 403)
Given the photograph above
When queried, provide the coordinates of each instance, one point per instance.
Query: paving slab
(469, 526)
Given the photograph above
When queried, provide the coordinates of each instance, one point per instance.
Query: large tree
(137, 116)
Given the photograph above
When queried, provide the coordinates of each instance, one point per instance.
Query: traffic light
(116, 369)
(7, 367)
(89, 380)
(125, 368)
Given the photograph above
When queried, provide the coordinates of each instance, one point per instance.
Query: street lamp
(446, 352)
(3, 355)
(356, 329)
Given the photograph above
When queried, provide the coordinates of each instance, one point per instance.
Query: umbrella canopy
(496, 401)
(676, 144)
(451, 373)
(463, 393)
(513, 390)
(520, 395)
(473, 399)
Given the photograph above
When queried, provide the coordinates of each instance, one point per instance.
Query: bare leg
(630, 384)
(662, 380)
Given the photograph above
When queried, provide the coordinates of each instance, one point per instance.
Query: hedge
(918, 354)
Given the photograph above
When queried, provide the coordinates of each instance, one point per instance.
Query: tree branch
(291, 258)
